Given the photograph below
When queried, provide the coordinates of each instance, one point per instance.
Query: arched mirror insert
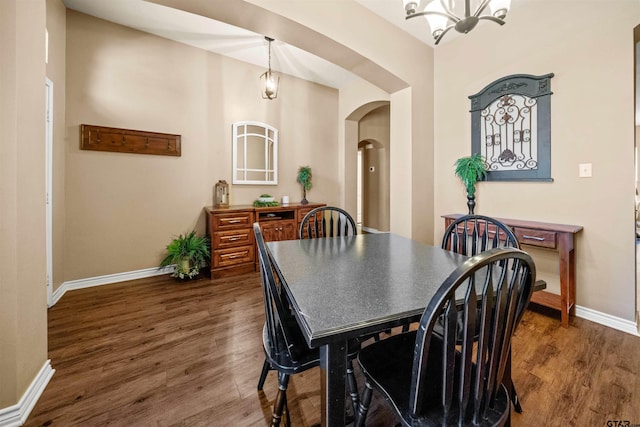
(255, 153)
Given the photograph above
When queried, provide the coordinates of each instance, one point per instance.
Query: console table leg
(567, 276)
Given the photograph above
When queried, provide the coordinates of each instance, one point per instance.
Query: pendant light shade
(270, 80)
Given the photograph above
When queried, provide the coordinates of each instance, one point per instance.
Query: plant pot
(471, 203)
(184, 271)
(185, 265)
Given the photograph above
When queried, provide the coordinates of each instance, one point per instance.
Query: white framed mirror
(255, 153)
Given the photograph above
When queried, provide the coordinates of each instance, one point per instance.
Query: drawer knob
(540, 239)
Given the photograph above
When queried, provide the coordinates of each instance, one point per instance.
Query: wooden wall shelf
(100, 138)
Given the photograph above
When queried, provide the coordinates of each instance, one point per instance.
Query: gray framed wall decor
(511, 127)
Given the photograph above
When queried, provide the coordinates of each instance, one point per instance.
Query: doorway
(373, 186)
(367, 129)
(373, 180)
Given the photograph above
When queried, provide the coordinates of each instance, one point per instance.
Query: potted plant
(470, 170)
(187, 253)
(304, 178)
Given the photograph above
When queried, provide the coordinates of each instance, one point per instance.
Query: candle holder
(221, 194)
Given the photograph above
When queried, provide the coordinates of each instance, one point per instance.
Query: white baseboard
(16, 415)
(614, 322)
(107, 279)
(373, 230)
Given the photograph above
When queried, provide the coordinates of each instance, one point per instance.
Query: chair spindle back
(327, 221)
(470, 375)
(471, 234)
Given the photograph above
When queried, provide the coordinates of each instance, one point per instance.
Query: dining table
(342, 288)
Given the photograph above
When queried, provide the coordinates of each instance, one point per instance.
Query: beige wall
(402, 171)
(23, 316)
(592, 121)
(123, 209)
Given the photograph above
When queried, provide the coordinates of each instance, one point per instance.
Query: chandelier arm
(448, 11)
(433, 12)
(493, 19)
(481, 8)
(445, 31)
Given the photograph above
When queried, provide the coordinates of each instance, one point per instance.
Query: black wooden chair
(286, 350)
(471, 234)
(441, 380)
(327, 221)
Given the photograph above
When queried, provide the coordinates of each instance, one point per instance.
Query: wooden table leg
(567, 276)
(333, 365)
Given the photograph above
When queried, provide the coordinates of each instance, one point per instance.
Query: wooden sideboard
(230, 230)
(558, 237)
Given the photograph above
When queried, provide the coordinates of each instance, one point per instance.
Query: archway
(370, 140)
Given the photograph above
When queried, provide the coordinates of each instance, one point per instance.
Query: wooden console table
(559, 237)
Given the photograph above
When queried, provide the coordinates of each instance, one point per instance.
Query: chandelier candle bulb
(442, 17)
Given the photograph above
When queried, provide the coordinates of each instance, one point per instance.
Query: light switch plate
(584, 170)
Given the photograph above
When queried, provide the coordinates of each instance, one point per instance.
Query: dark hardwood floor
(155, 352)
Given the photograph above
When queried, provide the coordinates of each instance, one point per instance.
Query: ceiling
(244, 45)
(235, 42)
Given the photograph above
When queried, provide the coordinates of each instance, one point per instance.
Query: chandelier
(441, 17)
(270, 80)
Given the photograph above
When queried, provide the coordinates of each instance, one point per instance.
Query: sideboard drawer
(232, 256)
(230, 238)
(302, 212)
(226, 221)
(542, 238)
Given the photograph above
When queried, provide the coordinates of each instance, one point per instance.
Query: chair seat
(388, 365)
(297, 359)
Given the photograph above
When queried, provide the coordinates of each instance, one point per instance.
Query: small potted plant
(187, 253)
(304, 178)
(470, 170)
(265, 200)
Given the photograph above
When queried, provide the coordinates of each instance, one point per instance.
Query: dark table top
(344, 287)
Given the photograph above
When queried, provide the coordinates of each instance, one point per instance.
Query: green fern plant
(470, 170)
(187, 253)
